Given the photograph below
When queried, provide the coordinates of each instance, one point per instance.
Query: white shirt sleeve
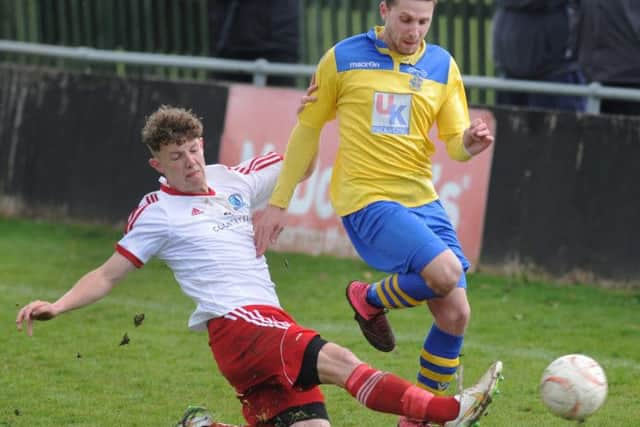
(261, 174)
(146, 233)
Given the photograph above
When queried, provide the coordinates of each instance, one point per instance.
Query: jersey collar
(383, 48)
(174, 192)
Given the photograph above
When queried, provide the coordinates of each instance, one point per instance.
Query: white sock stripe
(365, 391)
(367, 387)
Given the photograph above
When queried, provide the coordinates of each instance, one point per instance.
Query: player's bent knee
(445, 282)
(335, 364)
(443, 273)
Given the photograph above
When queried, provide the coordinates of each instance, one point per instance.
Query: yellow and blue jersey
(385, 104)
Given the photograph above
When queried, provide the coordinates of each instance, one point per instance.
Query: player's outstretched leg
(473, 401)
(198, 416)
(372, 320)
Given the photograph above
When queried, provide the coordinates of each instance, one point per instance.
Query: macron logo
(196, 211)
(364, 64)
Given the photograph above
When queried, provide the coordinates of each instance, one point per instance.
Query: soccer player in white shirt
(199, 224)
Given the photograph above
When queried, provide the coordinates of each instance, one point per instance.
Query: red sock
(385, 392)
(441, 409)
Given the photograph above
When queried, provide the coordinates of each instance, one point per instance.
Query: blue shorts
(396, 239)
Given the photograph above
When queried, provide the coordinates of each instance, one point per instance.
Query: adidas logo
(196, 211)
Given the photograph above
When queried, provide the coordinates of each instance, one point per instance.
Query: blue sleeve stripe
(358, 53)
(434, 65)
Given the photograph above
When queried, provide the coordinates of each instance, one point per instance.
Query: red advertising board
(259, 120)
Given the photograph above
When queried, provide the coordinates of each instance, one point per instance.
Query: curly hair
(170, 125)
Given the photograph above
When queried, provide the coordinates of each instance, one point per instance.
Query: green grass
(73, 372)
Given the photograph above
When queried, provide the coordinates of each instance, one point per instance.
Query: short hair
(391, 3)
(170, 125)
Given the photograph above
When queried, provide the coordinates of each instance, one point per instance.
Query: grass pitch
(74, 372)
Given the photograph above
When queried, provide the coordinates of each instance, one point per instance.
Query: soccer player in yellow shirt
(387, 87)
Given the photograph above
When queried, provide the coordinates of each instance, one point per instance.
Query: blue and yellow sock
(399, 291)
(439, 360)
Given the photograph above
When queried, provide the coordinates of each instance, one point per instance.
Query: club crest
(417, 77)
(416, 82)
(236, 201)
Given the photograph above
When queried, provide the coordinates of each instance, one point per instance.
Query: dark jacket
(536, 6)
(610, 41)
(534, 39)
(251, 29)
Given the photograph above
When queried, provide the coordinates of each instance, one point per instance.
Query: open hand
(35, 310)
(267, 227)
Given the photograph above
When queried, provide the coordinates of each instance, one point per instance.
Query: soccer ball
(573, 386)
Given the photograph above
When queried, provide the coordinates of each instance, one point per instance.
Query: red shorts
(260, 349)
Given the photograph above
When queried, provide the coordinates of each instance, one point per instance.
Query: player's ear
(155, 163)
(383, 10)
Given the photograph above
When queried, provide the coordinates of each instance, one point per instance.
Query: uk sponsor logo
(391, 113)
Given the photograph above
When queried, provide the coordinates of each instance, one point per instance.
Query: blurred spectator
(252, 29)
(537, 40)
(610, 48)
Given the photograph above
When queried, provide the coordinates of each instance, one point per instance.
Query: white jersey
(207, 239)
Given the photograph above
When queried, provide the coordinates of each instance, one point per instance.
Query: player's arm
(309, 96)
(89, 289)
(298, 164)
(302, 147)
(299, 160)
(463, 139)
(301, 152)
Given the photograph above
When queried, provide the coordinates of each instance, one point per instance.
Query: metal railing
(261, 68)
(182, 27)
